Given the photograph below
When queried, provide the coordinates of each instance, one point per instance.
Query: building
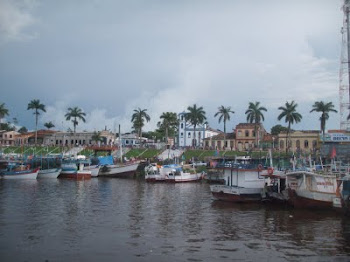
(218, 142)
(300, 141)
(29, 137)
(131, 139)
(79, 138)
(246, 137)
(336, 144)
(8, 138)
(189, 137)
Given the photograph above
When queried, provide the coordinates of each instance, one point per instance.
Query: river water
(130, 220)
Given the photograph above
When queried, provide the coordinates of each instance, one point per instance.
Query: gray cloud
(109, 57)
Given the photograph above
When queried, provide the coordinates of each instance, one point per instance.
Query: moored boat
(20, 172)
(122, 170)
(49, 173)
(178, 174)
(244, 181)
(72, 170)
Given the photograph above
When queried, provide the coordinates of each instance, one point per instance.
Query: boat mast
(120, 146)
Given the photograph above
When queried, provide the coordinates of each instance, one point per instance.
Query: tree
(3, 112)
(36, 106)
(170, 121)
(75, 113)
(323, 108)
(49, 125)
(275, 130)
(224, 113)
(255, 115)
(23, 130)
(195, 117)
(138, 119)
(290, 116)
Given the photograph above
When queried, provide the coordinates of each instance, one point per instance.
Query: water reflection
(104, 219)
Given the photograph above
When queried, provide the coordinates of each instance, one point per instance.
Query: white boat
(178, 174)
(49, 173)
(311, 189)
(157, 173)
(120, 170)
(20, 174)
(244, 181)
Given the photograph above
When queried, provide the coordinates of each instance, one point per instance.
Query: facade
(217, 142)
(304, 141)
(8, 138)
(78, 138)
(131, 139)
(245, 135)
(189, 137)
(336, 144)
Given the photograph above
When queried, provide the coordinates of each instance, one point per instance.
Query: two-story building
(247, 136)
(302, 140)
(8, 138)
(219, 143)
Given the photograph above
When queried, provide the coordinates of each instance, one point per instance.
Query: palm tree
(3, 111)
(169, 121)
(195, 116)
(49, 125)
(319, 106)
(291, 115)
(75, 113)
(224, 113)
(36, 106)
(138, 118)
(255, 115)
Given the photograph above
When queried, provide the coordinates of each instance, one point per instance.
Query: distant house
(8, 138)
(217, 142)
(29, 137)
(246, 136)
(302, 140)
(131, 139)
(187, 135)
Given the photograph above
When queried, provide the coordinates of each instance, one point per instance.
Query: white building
(187, 136)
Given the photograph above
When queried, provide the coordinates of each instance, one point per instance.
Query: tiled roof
(221, 136)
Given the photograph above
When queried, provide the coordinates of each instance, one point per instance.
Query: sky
(110, 57)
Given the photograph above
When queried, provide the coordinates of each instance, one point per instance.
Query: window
(281, 144)
(182, 125)
(314, 143)
(10, 136)
(182, 118)
(253, 133)
(246, 133)
(239, 133)
(298, 144)
(182, 134)
(306, 144)
(189, 134)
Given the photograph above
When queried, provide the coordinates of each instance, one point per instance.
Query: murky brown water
(130, 220)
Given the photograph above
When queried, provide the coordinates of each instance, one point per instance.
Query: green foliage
(23, 130)
(49, 125)
(195, 116)
(75, 113)
(7, 127)
(275, 130)
(323, 108)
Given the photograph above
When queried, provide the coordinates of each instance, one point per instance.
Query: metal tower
(344, 74)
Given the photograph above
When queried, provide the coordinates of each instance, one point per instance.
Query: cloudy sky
(110, 57)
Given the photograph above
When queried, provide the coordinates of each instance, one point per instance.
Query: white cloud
(15, 17)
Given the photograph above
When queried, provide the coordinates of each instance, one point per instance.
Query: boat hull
(119, 171)
(309, 199)
(49, 173)
(26, 174)
(78, 175)
(236, 194)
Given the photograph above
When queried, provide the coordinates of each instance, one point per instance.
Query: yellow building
(246, 137)
(305, 141)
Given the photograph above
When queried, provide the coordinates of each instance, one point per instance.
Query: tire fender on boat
(270, 170)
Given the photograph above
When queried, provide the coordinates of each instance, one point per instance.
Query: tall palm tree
(195, 116)
(169, 121)
(290, 116)
(75, 113)
(96, 136)
(3, 112)
(49, 125)
(319, 106)
(224, 113)
(36, 106)
(138, 118)
(255, 115)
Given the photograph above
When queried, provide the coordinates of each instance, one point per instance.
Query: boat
(18, 171)
(311, 189)
(243, 181)
(49, 173)
(122, 170)
(158, 173)
(71, 169)
(345, 194)
(180, 174)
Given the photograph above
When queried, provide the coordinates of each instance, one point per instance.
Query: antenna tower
(344, 73)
